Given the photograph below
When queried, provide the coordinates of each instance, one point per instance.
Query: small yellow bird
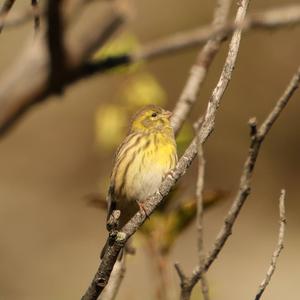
(142, 161)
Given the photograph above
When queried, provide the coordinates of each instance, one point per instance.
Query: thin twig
(4, 10)
(199, 195)
(200, 68)
(278, 248)
(36, 18)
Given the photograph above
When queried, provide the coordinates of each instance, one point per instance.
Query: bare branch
(278, 248)
(4, 10)
(199, 194)
(244, 188)
(269, 19)
(199, 70)
(117, 275)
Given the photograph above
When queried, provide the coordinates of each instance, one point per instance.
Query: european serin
(142, 161)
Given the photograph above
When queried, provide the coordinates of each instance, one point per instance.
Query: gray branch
(278, 249)
(111, 290)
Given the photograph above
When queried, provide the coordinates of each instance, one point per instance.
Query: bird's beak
(167, 114)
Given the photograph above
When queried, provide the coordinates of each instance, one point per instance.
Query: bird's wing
(111, 201)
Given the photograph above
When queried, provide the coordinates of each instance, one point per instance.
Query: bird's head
(151, 118)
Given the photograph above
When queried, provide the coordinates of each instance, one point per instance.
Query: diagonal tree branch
(118, 273)
(278, 248)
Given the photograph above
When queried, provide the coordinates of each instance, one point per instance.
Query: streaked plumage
(141, 162)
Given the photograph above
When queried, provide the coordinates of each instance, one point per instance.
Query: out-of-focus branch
(20, 17)
(55, 43)
(4, 10)
(36, 18)
(278, 248)
(269, 19)
(199, 195)
(117, 275)
(210, 115)
(200, 68)
(257, 137)
(31, 71)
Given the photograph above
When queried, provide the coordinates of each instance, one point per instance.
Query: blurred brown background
(50, 238)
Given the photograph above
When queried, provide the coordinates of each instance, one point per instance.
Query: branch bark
(278, 249)
(118, 273)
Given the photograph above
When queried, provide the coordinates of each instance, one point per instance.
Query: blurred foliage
(139, 88)
(184, 137)
(110, 121)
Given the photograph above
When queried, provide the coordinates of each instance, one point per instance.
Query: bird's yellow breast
(143, 165)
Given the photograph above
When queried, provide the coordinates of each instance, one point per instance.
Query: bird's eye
(154, 115)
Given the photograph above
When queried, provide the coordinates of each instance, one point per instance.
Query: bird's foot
(143, 209)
